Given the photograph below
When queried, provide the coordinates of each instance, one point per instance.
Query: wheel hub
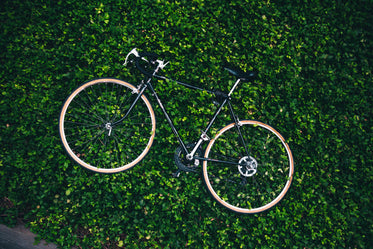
(247, 166)
(109, 128)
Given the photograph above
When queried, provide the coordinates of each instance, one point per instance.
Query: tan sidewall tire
(242, 210)
(77, 159)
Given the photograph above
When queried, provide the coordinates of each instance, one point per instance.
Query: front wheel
(249, 173)
(91, 133)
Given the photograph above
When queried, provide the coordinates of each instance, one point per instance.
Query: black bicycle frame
(190, 155)
(203, 136)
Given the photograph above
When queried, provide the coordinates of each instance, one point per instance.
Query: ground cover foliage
(315, 87)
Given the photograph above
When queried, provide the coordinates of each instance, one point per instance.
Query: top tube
(157, 64)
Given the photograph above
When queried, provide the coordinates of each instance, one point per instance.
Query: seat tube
(215, 115)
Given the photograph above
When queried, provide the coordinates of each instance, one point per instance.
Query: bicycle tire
(86, 132)
(264, 176)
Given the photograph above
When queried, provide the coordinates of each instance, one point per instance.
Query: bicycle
(108, 126)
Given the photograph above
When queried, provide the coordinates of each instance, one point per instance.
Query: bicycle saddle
(243, 76)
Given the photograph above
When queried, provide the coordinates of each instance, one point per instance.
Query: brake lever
(133, 52)
(161, 64)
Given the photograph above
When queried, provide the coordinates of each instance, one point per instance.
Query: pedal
(176, 174)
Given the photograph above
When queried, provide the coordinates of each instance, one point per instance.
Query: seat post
(235, 85)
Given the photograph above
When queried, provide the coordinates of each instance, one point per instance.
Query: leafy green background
(315, 87)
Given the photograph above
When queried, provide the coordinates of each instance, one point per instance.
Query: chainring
(184, 164)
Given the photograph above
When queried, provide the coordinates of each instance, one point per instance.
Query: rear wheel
(88, 131)
(248, 180)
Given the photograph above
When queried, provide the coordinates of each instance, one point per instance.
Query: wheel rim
(87, 132)
(256, 183)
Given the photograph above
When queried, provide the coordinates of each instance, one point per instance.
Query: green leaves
(314, 87)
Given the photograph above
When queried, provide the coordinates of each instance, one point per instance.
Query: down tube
(173, 128)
